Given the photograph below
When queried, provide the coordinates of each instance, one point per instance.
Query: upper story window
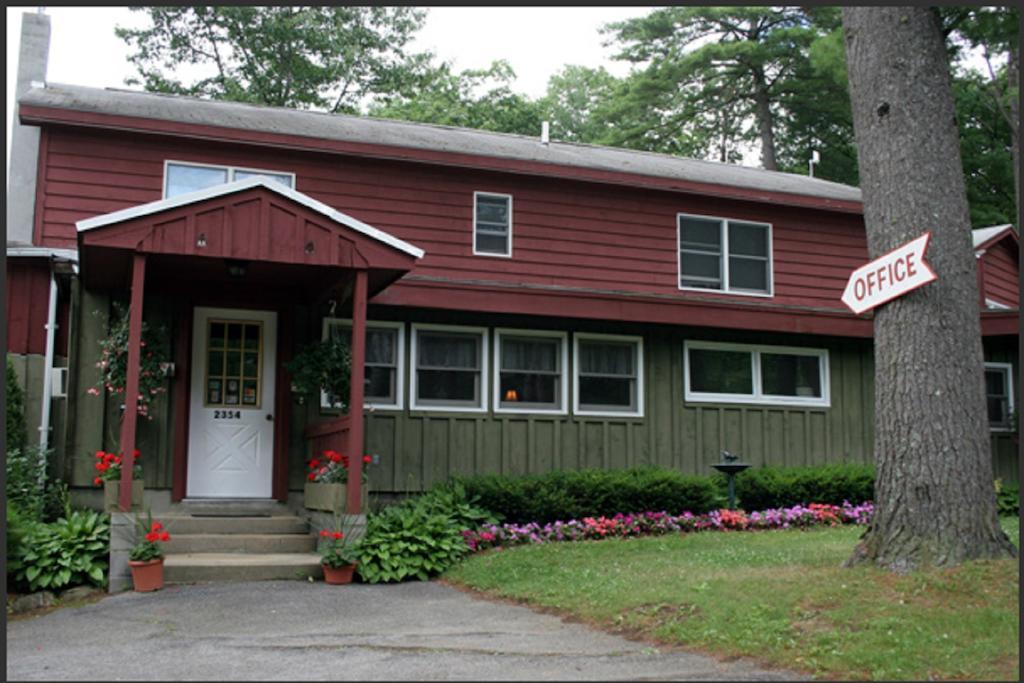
(609, 376)
(449, 368)
(385, 358)
(725, 255)
(181, 177)
(492, 224)
(531, 371)
(741, 373)
(999, 395)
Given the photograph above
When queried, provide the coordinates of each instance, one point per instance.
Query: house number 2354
(227, 415)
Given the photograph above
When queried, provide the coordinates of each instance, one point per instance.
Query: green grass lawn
(778, 596)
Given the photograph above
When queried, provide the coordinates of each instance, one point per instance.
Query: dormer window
(725, 255)
(492, 224)
(181, 177)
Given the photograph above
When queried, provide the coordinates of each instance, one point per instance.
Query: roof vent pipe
(545, 133)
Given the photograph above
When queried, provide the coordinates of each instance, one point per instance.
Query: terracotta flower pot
(147, 576)
(338, 575)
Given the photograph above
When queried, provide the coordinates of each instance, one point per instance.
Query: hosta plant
(69, 552)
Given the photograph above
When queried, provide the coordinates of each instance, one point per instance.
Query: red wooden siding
(1002, 273)
(28, 294)
(565, 233)
(28, 300)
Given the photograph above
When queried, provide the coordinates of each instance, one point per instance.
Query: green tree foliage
(325, 58)
(716, 68)
(474, 98)
(15, 418)
(576, 104)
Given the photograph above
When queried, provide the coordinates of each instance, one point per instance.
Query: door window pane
(721, 372)
(233, 375)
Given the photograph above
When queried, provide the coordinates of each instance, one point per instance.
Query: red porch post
(355, 395)
(131, 389)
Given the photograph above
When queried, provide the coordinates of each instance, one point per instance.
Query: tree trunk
(763, 112)
(934, 496)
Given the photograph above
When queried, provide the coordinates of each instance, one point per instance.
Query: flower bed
(654, 523)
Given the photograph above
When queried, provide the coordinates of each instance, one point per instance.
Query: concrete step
(207, 567)
(226, 507)
(240, 543)
(193, 524)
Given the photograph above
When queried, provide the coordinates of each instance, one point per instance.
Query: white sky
(536, 41)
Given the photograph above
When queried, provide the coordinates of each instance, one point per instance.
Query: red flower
(324, 533)
(337, 535)
(312, 476)
(165, 536)
(100, 454)
(367, 459)
(313, 464)
(323, 470)
(97, 481)
(136, 453)
(157, 526)
(102, 466)
(152, 536)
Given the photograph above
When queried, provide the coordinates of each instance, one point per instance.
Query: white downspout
(51, 330)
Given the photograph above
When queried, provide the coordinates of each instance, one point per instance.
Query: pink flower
(93, 391)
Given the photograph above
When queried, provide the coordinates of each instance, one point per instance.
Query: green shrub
(15, 438)
(761, 488)
(1007, 498)
(25, 486)
(418, 538)
(69, 552)
(554, 496)
(19, 526)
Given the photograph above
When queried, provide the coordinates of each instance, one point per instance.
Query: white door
(231, 427)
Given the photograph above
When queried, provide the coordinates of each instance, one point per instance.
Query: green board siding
(420, 448)
(1005, 449)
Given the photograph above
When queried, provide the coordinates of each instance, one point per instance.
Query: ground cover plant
(778, 596)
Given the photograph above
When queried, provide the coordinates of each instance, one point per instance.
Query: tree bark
(763, 112)
(934, 496)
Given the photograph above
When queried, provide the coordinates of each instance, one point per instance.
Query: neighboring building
(532, 306)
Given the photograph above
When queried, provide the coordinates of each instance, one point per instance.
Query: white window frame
(563, 341)
(399, 360)
(1008, 369)
(638, 343)
(723, 227)
(758, 397)
(414, 368)
(498, 195)
(230, 171)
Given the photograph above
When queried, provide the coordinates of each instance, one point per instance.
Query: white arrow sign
(901, 270)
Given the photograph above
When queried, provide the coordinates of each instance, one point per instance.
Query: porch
(234, 262)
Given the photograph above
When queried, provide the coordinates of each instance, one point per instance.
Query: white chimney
(21, 176)
(545, 133)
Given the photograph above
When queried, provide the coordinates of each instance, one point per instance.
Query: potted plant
(326, 485)
(337, 555)
(146, 558)
(323, 368)
(108, 475)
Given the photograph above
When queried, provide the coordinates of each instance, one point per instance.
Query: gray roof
(427, 137)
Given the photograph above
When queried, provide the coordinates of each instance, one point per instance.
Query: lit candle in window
(511, 395)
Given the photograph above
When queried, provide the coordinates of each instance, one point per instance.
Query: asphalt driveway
(312, 631)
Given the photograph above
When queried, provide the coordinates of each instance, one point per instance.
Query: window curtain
(448, 351)
(606, 359)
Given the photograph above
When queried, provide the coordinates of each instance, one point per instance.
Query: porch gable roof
(193, 198)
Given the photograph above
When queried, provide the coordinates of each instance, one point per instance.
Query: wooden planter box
(110, 494)
(331, 497)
